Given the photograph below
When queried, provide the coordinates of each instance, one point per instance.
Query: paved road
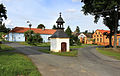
(88, 63)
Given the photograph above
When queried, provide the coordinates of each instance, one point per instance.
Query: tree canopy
(4, 29)
(97, 8)
(3, 11)
(54, 27)
(32, 38)
(77, 29)
(41, 26)
(68, 31)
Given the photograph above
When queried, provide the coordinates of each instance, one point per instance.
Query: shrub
(32, 38)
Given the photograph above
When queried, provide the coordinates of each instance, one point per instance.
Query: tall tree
(103, 8)
(3, 13)
(41, 26)
(54, 27)
(93, 32)
(77, 29)
(86, 31)
(68, 31)
(4, 29)
(109, 22)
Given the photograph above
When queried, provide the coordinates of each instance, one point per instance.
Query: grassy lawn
(77, 46)
(37, 44)
(72, 53)
(43, 44)
(6, 48)
(48, 45)
(89, 44)
(24, 43)
(109, 52)
(13, 64)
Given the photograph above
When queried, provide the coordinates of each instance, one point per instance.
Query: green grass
(77, 46)
(71, 53)
(89, 44)
(109, 52)
(48, 45)
(24, 43)
(43, 44)
(36, 44)
(13, 64)
(6, 47)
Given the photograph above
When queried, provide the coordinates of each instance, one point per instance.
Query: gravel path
(88, 63)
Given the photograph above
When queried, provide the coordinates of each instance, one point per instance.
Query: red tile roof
(103, 31)
(36, 30)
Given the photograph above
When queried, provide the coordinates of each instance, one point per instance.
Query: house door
(63, 47)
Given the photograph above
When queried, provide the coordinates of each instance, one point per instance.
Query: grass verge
(77, 46)
(48, 45)
(109, 52)
(13, 64)
(72, 53)
(36, 44)
(5, 47)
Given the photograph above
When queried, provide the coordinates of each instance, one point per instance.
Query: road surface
(88, 62)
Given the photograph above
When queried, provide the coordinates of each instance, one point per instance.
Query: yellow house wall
(101, 39)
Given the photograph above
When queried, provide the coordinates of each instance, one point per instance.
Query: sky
(46, 12)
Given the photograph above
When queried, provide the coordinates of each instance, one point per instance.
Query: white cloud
(3, 0)
(71, 10)
(8, 23)
(76, 0)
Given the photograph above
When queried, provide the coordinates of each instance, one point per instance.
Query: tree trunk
(115, 30)
(110, 38)
(115, 39)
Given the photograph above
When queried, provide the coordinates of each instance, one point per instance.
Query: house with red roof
(17, 34)
(101, 38)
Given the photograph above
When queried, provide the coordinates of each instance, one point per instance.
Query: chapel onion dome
(60, 20)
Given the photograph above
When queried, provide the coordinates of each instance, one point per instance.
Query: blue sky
(46, 12)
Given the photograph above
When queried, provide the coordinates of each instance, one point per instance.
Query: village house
(86, 38)
(101, 39)
(17, 34)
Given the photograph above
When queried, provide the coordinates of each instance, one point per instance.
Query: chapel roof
(59, 34)
(60, 19)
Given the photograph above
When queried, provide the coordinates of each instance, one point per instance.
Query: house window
(19, 37)
(97, 39)
(100, 39)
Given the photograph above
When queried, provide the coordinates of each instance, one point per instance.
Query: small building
(100, 38)
(59, 40)
(17, 34)
(86, 38)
